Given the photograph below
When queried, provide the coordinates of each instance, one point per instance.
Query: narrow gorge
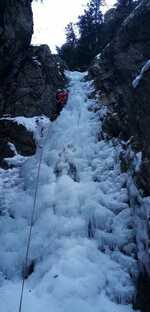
(85, 171)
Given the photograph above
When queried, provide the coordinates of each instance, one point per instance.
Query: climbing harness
(32, 220)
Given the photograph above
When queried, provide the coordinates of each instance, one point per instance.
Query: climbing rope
(32, 221)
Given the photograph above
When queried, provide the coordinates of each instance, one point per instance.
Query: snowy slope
(83, 243)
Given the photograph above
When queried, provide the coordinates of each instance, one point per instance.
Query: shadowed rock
(19, 136)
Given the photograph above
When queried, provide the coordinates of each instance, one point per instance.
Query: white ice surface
(83, 239)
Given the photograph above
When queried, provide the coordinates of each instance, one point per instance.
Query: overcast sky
(51, 17)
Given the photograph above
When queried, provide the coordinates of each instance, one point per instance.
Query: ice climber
(61, 98)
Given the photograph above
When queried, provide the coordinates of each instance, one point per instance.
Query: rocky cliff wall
(122, 77)
(29, 75)
(114, 72)
(16, 28)
(31, 89)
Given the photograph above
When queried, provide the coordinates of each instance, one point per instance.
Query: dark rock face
(142, 297)
(31, 90)
(19, 136)
(113, 19)
(16, 28)
(29, 77)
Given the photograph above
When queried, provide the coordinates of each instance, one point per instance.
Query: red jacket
(62, 97)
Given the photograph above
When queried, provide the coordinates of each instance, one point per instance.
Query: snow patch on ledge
(38, 124)
(29, 122)
(136, 81)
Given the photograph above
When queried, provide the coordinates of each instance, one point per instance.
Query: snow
(83, 240)
(138, 161)
(12, 148)
(29, 123)
(36, 61)
(138, 79)
(98, 56)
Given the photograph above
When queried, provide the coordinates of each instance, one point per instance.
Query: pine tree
(90, 31)
(68, 51)
(83, 49)
(70, 34)
(94, 11)
(92, 17)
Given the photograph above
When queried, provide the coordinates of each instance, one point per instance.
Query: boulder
(19, 136)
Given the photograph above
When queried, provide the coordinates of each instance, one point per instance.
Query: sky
(51, 18)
